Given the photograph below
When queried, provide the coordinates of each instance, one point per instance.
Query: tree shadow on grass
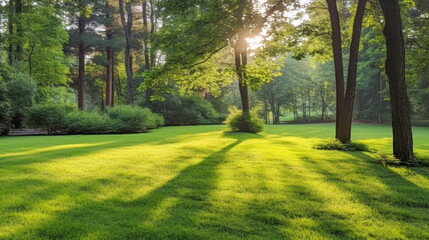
(168, 212)
(71, 147)
(386, 194)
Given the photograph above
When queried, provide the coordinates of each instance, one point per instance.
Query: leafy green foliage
(62, 118)
(4, 109)
(189, 109)
(239, 122)
(21, 91)
(50, 116)
(89, 122)
(129, 119)
(334, 144)
(43, 38)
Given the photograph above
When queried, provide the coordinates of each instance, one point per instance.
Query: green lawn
(201, 182)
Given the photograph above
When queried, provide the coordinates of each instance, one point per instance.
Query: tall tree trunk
(344, 109)
(344, 133)
(10, 28)
(81, 57)
(109, 77)
(109, 67)
(395, 70)
(146, 34)
(18, 11)
(127, 24)
(338, 61)
(240, 64)
(309, 105)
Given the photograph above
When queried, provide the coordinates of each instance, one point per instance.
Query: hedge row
(57, 118)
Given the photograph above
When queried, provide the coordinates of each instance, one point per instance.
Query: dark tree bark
(395, 70)
(240, 64)
(338, 62)
(109, 77)
(344, 132)
(127, 24)
(344, 108)
(146, 34)
(81, 57)
(109, 67)
(18, 11)
(10, 28)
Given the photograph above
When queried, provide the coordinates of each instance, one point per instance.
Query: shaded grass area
(203, 183)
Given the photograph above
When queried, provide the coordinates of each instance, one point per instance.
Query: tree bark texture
(109, 68)
(127, 24)
(395, 70)
(344, 133)
(146, 34)
(240, 64)
(81, 58)
(10, 28)
(338, 61)
(344, 107)
(18, 11)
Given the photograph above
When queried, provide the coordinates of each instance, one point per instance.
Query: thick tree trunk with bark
(395, 70)
(127, 24)
(344, 132)
(345, 102)
(338, 61)
(81, 58)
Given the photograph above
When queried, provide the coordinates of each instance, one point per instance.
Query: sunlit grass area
(203, 183)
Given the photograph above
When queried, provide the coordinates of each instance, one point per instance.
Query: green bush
(21, 91)
(129, 119)
(49, 116)
(240, 122)
(334, 144)
(93, 122)
(188, 109)
(4, 110)
(59, 118)
(153, 120)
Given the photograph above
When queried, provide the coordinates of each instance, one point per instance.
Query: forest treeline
(190, 60)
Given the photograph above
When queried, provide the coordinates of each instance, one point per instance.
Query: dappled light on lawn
(204, 182)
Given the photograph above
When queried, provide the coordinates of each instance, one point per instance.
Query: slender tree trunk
(240, 64)
(18, 11)
(10, 28)
(309, 105)
(395, 70)
(109, 67)
(338, 61)
(109, 77)
(127, 24)
(81, 57)
(344, 133)
(146, 34)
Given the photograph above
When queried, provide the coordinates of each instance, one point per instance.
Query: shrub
(188, 109)
(240, 122)
(49, 116)
(153, 120)
(93, 122)
(4, 110)
(334, 144)
(130, 119)
(21, 91)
